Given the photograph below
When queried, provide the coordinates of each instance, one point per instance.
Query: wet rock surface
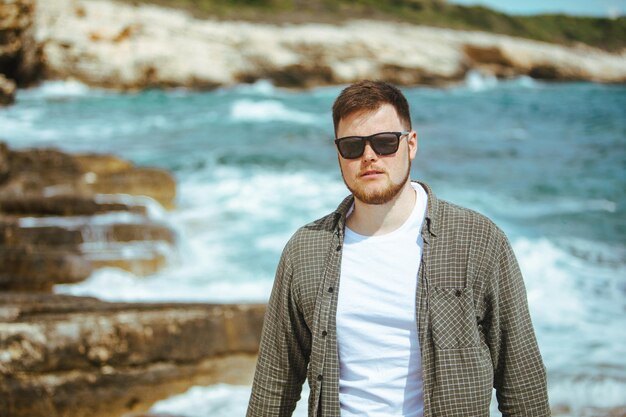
(77, 356)
(64, 215)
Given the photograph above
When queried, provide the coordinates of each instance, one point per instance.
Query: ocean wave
(220, 400)
(507, 205)
(170, 285)
(579, 395)
(259, 87)
(58, 90)
(476, 81)
(245, 110)
(259, 193)
(548, 271)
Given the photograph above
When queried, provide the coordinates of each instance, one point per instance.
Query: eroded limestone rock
(77, 356)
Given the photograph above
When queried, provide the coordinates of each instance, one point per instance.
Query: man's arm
(519, 373)
(284, 351)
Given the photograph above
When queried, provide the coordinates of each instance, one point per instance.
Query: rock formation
(64, 356)
(77, 356)
(20, 55)
(62, 215)
(122, 46)
(7, 91)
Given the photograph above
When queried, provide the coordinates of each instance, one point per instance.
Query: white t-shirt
(378, 345)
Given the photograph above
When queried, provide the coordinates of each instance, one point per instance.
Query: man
(397, 303)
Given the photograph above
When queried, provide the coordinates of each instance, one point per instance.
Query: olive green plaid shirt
(473, 323)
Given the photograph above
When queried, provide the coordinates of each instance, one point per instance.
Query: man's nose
(368, 152)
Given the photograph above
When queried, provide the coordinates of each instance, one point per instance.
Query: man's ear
(413, 144)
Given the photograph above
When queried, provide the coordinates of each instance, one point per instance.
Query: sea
(253, 162)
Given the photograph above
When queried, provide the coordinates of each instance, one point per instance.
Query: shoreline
(123, 47)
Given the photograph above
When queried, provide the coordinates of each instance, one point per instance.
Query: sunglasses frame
(369, 138)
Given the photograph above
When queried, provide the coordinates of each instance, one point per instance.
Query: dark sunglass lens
(351, 147)
(385, 143)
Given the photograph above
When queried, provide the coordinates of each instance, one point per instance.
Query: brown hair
(370, 95)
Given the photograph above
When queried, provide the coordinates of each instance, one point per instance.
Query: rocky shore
(63, 216)
(75, 356)
(122, 46)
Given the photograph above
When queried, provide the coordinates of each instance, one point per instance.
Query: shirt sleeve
(284, 351)
(519, 373)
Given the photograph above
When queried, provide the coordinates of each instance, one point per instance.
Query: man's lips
(371, 172)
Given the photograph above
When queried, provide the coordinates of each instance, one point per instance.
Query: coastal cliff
(121, 46)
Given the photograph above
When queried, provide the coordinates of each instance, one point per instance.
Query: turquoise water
(547, 162)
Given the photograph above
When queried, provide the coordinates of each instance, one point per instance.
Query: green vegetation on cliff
(604, 33)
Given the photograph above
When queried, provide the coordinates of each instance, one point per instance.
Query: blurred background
(540, 148)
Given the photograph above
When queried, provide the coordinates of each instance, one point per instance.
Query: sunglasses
(384, 143)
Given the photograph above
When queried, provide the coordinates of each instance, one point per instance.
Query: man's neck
(380, 219)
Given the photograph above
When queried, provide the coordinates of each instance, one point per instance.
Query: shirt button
(319, 377)
(331, 289)
(338, 248)
(458, 293)
(324, 333)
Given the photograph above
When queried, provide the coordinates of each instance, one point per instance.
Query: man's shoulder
(456, 218)
(313, 235)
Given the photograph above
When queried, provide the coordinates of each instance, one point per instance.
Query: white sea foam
(127, 250)
(259, 87)
(259, 195)
(219, 400)
(112, 284)
(76, 222)
(525, 81)
(245, 110)
(16, 122)
(578, 394)
(56, 90)
(477, 81)
(550, 282)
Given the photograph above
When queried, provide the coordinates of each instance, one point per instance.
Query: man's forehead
(362, 116)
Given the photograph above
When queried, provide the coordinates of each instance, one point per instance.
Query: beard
(376, 197)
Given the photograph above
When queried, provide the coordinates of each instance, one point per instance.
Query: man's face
(372, 178)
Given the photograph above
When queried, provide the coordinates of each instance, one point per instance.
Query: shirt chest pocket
(453, 318)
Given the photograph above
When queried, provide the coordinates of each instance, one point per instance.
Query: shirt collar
(431, 211)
